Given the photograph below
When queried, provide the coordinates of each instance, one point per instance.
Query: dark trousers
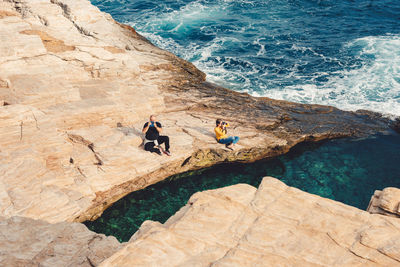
(161, 140)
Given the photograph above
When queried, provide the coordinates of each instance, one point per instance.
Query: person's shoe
(166, 152)
(158, 152)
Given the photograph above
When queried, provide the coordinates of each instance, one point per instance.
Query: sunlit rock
(274, 225)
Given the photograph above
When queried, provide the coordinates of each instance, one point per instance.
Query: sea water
(347, 170)
(337, 52)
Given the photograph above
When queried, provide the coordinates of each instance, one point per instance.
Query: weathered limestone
(69, 74)
(28, 242)
(386, 202)
(274, 225)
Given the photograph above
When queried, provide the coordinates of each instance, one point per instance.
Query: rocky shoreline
(77, 86)
(274, 225)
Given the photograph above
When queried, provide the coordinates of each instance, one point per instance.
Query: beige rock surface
(27, 242)
(386, 202)
(69, 74)
(274, 225)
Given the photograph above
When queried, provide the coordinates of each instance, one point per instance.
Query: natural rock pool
(347, 170)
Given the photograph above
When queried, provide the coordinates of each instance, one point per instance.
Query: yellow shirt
(220, 134)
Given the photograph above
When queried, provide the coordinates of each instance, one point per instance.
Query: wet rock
(274, 225)
(28, 242)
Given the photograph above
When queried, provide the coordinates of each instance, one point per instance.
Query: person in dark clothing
(153, 139)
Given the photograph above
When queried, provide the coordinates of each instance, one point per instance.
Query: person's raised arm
(225, 126)
(158, 128)
(146, 127)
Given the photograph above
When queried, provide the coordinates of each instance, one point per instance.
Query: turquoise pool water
(347, 170)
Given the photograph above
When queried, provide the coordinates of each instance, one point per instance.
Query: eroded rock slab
(274, 225)
(386, 202)
(28, 242)
(75, 90)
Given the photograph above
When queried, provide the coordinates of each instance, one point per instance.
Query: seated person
(153, 140)
(221, 134)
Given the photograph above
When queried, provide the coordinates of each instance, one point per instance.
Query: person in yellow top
(221, 134)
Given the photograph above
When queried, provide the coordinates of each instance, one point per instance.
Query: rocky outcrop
(28, 242)
(274, 225)
(75, 90)
(386, 202)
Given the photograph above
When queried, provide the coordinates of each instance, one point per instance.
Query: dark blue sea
(344, 53)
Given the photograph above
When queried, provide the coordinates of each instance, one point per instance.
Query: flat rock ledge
(75, 90)
(274, 225)
(27, 242)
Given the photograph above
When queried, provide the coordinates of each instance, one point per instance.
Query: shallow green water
(346, 170)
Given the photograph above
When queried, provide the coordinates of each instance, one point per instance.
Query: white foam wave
(206, 59)
(187, 16)
(374, 86)
(262, 46)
